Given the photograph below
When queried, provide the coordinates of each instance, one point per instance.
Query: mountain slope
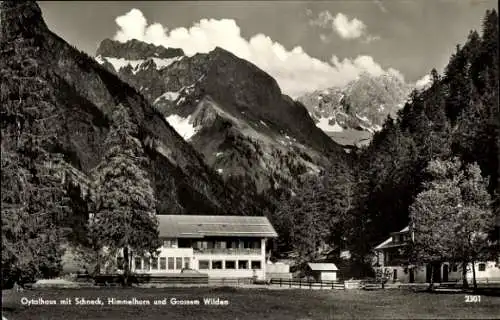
(232, 112)
(352, 114)
(86, 94)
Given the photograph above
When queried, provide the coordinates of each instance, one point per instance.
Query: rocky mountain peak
(351, 114)
(136, 50)
(20, 19)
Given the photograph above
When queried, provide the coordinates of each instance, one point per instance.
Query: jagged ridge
(236, 116)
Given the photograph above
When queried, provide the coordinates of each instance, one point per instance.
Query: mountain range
(231, 112)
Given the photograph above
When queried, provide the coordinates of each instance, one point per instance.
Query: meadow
(243, 303)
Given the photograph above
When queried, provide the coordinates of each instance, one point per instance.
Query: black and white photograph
(247, 160)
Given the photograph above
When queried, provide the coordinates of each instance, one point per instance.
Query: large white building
(391, 256)
(220, 246)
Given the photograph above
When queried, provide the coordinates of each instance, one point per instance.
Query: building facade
(391, 257)
(220, 246)
(323, 271)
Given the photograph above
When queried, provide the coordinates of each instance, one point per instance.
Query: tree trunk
(97, 268)
(431, 285)
(474, 276)
(126, 266)
(464, 275)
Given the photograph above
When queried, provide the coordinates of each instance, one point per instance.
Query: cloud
(295, 71)
(380, 5)
(348, 29)
(342, 25)
(424, 82)
(324, 19)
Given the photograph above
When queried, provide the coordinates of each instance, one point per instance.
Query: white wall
(492, 271)
(328, 275)
(278, 267)
(214, 273)
(418, 272)
(234, 273)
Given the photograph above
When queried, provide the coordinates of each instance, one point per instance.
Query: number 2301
(469, 298)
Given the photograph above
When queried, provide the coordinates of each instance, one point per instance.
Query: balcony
(230, 251)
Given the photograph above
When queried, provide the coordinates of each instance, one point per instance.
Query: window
(257, 244)
(395, 274)
(454, 268)
(154, 263)
(203, 264)
(171, 263)
(230, 264)
(163, 263)
(220, 244)
(170, 243)
(242, 264)
(187, 263)
(138, 263)
(217, 264)
(256, 265)
(146, 264)
(119, 263)
(482, 267)
(178, 263)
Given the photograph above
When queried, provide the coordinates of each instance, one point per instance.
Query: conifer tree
(125, 217)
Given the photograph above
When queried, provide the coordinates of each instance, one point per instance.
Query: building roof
(199, 226)
(322, 266)
(388, 243)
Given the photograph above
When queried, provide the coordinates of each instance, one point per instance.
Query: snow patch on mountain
(163, 63)
(363, 118)
(183, 126)
(324, 124)
(137, 65)
(119, 63)
(169, 95)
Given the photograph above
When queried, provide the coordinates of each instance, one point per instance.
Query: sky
(304, 45)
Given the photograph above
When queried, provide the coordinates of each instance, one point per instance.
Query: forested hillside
(457, 116)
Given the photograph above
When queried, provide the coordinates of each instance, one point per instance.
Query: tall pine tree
(125, 217)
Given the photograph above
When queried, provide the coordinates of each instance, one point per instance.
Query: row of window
(162, 263)
(179, 263)
(229, 264)
(480, 266)
(212, 244)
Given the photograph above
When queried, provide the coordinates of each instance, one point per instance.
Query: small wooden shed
(323, 271)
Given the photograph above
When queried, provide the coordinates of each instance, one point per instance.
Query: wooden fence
(298, 283)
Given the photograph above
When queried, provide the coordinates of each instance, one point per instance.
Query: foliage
(34, 200)
(125, 216)
(452, 217)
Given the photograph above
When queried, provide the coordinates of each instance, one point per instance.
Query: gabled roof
(322, 266)
(388, 243)
(199, 226)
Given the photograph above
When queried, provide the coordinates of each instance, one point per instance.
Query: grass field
(253, 304)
